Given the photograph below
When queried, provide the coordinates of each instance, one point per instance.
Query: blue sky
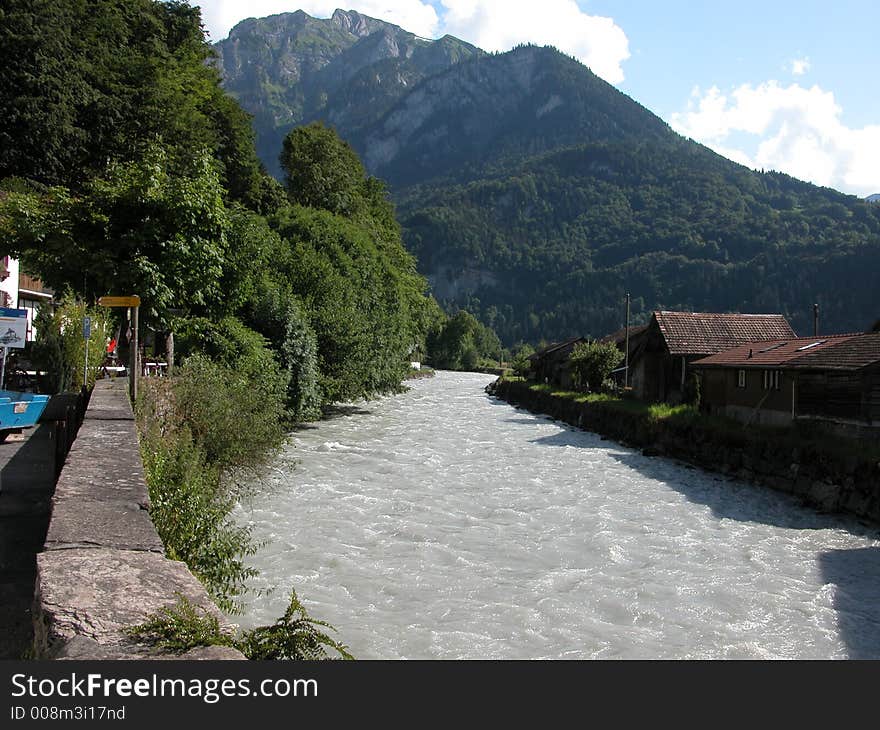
(792, 86)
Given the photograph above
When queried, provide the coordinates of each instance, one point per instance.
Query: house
(32, 294)
(659, 365)
(619, 339)
(827, 377)
(550, 364)
(19, 290)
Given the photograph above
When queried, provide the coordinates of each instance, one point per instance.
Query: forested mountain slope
(536, 195)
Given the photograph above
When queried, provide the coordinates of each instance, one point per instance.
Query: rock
(96, 593)
(824, 495)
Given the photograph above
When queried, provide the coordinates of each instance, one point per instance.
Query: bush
(521, 363)
(234, 416)
(198, 430)
(296, 635)
(593, 362)
(60, 350)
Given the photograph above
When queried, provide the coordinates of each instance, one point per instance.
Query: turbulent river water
(445, 524)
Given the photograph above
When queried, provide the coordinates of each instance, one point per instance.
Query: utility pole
(626, 350)
(815, 320)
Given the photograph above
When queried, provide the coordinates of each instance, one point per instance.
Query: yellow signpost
(133, 302)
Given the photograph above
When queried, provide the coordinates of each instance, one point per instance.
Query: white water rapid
(445, 524)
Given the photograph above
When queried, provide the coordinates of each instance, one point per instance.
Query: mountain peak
(356, 23)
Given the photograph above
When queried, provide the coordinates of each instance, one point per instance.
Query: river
(445, 524)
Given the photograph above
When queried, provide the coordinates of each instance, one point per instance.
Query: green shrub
(521, 363)
(184, 626)
(60, 350)
(199, 430)
(593, 362)
(296, 635)
(190, 510)
(179, 628)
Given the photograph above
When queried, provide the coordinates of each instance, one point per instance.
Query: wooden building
(550, 364)
(619, 340)
(660, 364)
(826, 377)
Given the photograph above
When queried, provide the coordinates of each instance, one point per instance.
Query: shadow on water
(726, 497)
(856, 577)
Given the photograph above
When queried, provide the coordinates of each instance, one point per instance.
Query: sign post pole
(87, 333)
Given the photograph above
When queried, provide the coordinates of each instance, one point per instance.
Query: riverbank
(827, 474)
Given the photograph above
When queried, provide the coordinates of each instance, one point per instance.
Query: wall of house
(9, 282)
(847, 395)
(721, 395)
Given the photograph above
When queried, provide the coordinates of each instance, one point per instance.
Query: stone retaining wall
(828, 481)
(103, 567)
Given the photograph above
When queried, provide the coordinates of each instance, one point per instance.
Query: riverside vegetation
(125, 168)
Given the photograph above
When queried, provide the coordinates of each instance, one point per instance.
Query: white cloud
(799, 66)
(792, 129)
(220, 16)
(494, 25)
(498, 25)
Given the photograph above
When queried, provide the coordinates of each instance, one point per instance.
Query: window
(771, 380)
(811, 345)
(740, 378)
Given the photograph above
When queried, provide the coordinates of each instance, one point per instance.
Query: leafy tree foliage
(88, 82)
(138, 229)
(461, 342)
(322, 171)
(592, 362)
(520, 363)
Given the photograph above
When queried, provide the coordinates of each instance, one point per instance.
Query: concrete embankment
(103, 567)
(829, 480)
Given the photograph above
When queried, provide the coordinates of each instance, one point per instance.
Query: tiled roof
(774, 353)
(853, 353)
(705, 333)
(570, 342)
(619, 337)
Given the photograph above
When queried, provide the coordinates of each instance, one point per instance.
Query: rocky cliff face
(472, 114)
(347, 71)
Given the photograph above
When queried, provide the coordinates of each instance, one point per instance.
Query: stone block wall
(103, 567)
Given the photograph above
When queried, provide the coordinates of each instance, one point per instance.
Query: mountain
(348, 70)
(537, 195)
(875, 198)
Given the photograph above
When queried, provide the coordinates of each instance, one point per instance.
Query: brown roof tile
(773, 353)
(852, 353)
(705, 333)
(619, 337)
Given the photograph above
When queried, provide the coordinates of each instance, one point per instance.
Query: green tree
(139, 229)
(322, 170)
(521, 363)
(592, 362)
(460, 342)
